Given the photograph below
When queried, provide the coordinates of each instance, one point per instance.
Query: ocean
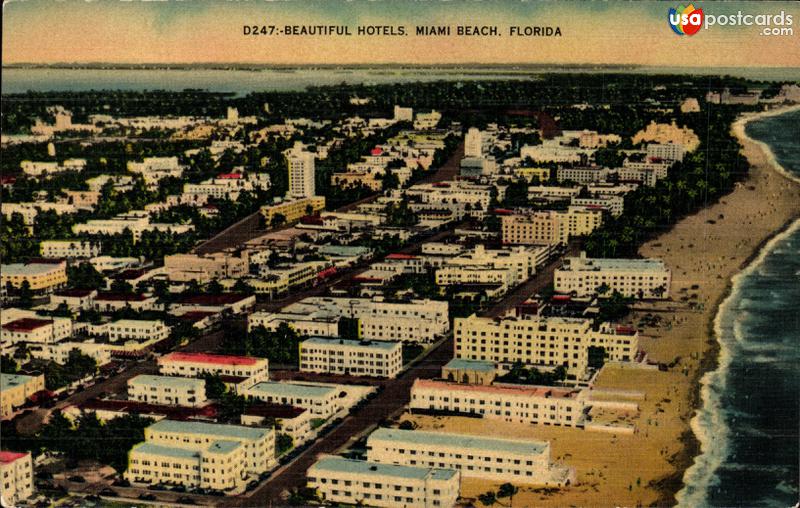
(240, 82)
(748, 425)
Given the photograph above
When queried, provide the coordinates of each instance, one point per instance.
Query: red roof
(400, 256)
(376, 151)
(230, 176)
(26, 324)
(129, 406)
(4, 180)
(8, 457)
(208, 358)
(503, 211)
(625, 330)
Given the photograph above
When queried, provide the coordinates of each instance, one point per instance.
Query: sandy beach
(704, 251)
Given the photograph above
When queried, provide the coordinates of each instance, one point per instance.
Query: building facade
(167, 390)
(351, 357)
(636, 278)
(16, 470)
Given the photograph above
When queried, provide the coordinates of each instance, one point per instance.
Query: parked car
(186, 500)
(147, 497)
(108, 492)
(77, 479)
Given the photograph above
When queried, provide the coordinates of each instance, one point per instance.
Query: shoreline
(705, 252)
(713, 359)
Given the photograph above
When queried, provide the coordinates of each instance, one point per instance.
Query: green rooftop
(183, 383)
(165, 451)
(465, 364)
(364, 469)
(8, 381)
(460, 441)
(224, 432)
(371, 344)
(291, 390)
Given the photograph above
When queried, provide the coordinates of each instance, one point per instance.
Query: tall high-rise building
(473, 143)
(301, 172)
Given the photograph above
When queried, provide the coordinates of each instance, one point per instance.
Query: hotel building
(637, 278)
(16, 470)
(532, 405)
(15, 389)
(542, 341)
(550, 226)
(41, 277)
(351, 357)
(340, 480)
(199, 454)
(167, 390)
(493, 459)
(320, 400)
(245, 371)
(415, 321)
(70, 249)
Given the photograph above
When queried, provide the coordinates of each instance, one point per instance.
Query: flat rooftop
(165, 451)
(220, 430)
(26, 324)
(512, 390)
(367, 344)
(596, 264)
(363, 468)
(466, 364)
(292, 389)
(8, 381)
(29, 269)
(209, 358)
(418, 437)
(183, 383)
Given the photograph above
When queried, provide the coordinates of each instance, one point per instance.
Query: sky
(200, 31)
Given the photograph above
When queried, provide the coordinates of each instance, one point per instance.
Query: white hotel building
(250, 370)
(488, 458)
(320, 400)
(167, 390)
(351, 357)
(415, 321)
(531, 405)
(70, 249)
(199, 454)
(358, 482)
(637, 278)
(539, 341)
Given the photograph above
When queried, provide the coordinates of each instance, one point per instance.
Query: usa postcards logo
(685, 20)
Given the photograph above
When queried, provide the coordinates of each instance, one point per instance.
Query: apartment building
(137, 222)
(542, 341)
(351, 357)
(167, 390)
(247, 370)
(615, 205)
(637, 278)
(293, 421)
(109, 301)
(320, 400)
(517, 461)
(69, 249)
(352, 482)
(16, 470)
(204, 268)
(42, 277)
(582, 174)
(478, 196)
(553, 151)
(29, 210)
(414, 321)
(199, 454)
(43, 168)
(20, 325)
(74, 299)
(531, 405)
(154, 169)
(293, 209)
(135, 329)
(666, 151)
(15, 389)
(550, 226)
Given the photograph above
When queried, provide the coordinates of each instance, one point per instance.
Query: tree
(241, 286)
(278, 220)
(8, 365)
(488, 498)
(25, 295)
(215, 387)
(507, 490)
(121, 286)
(214, 287)
(596, 357)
